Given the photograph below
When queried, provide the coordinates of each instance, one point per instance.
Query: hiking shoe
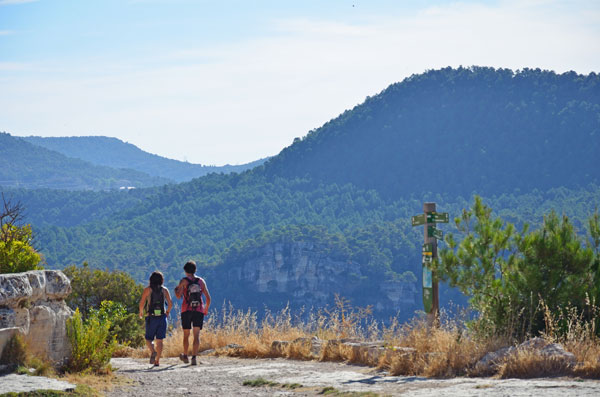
(183, 358)
(152, 358)
(194, 360)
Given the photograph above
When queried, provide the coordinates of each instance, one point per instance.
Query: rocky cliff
(32, 303)
(303, 274)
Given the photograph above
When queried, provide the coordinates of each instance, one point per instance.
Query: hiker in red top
(191, 288)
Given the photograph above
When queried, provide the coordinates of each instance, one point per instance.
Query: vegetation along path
(225, 376)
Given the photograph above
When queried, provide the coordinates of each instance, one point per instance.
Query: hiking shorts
(156, 327)
(187, 318)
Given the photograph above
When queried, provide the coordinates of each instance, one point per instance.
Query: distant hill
(459, 131)
(528, 142)
(25, 165)
(113, 152)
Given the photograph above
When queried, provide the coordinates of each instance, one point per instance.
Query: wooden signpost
(429, 218)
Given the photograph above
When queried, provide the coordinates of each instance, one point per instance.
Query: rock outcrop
(32, 303)
(302, 274)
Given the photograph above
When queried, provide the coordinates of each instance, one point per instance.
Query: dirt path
(223, 376)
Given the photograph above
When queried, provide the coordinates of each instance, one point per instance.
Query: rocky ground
(224, 376)
(24, 383)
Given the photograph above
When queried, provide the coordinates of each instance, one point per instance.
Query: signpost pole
(432, 317)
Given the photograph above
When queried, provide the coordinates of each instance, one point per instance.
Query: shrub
(91, 345)
(127, 328)
(16, 252)
(110, 296)
(92, 286)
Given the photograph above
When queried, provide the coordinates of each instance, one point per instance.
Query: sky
(229, 82)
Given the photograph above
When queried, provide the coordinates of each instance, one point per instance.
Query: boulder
(533, 344)
(369, 351)
(32, 303)
(489, 363)
(278, 346)
(58, 286)
(557, 352)
(14, 289)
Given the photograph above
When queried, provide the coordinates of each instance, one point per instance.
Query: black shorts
(187, 318)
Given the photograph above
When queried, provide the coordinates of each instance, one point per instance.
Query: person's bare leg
(196, 344)
(150, 346)
(186, 341)
(159, 348)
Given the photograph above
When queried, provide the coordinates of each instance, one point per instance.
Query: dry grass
(530, 364)
(576, 331)
(410, 349)
(442, 352)
(98, 383)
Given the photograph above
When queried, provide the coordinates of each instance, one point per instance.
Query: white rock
(33, 303)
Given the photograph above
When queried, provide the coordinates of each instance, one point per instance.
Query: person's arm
(207, 295)
(143, 300)
(180, 288)
(169, 302)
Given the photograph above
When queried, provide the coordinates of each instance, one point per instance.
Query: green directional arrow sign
(432, 231)
(438, 217)
(418, 220)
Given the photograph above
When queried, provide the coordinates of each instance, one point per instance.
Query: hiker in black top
(191, 288)
(153, 298)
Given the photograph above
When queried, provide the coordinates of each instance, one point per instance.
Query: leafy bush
(109, 296)
(16, 253)
(127, 328)
(92, 286)
(16, 241)
(91, 344)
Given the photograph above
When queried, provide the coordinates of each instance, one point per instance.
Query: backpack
(157, 303)
(194, 293)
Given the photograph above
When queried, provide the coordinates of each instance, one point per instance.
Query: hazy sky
(217, 82)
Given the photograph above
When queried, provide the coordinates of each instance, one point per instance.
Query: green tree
(554, 267)
(508, 275)
(16, 241)
(92, 286)
(109, 297)
(482, 265)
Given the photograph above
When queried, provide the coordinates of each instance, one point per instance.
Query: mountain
(528, 142)
(112, 152)
(25, 165)
(459, 131)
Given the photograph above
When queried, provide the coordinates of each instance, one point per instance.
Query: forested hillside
(527, 142)
(460, 131)
(25, 165)
(113, 152)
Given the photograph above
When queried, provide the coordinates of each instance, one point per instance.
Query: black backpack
(157, 303)
(194, 293)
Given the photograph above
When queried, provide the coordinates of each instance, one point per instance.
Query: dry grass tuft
(442, 352)
(531, 364)
(99, 383)
(410, 349)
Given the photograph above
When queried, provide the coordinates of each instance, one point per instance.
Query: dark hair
(156, 280)
(190, 267)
